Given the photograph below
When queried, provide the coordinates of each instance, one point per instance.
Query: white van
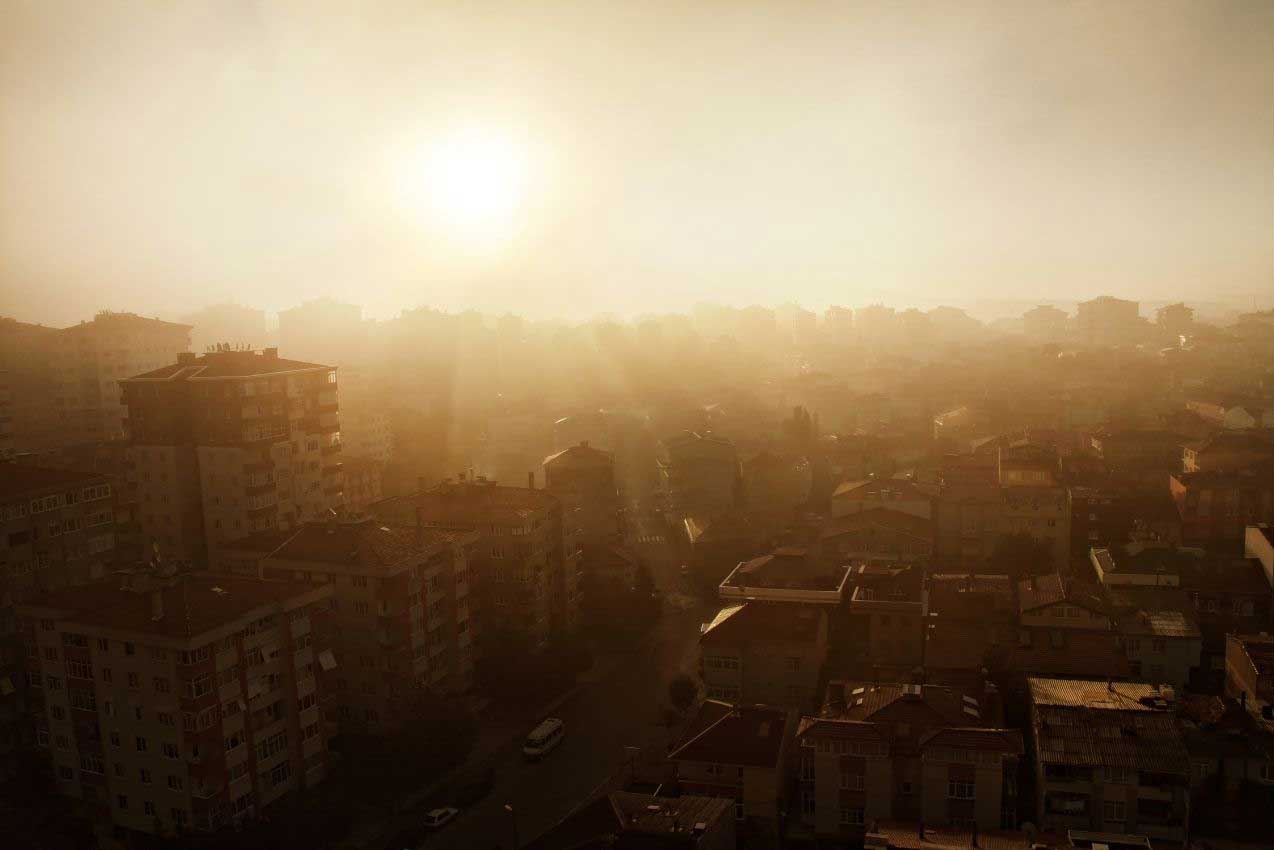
(543, 739)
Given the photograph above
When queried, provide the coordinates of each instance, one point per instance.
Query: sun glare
(470, 185)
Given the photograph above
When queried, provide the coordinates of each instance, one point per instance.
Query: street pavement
(621, 707)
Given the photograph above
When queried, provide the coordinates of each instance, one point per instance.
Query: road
(623, 708)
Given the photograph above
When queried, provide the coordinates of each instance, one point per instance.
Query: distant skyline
(567, 159)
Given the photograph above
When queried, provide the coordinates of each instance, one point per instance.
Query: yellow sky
(158, 156)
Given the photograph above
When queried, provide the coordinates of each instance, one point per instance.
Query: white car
(439, 818)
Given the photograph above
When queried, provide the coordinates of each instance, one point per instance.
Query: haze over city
(699, 425)
(568, 159)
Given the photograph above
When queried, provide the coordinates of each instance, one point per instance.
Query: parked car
(543, 739)
(438, 818)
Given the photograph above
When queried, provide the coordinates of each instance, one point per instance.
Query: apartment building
(877, 535)
(852, 497)
(56, 531)
(741, 752)
(1107, 320)
(93, 358)
(1109, 756)
(1249, 672)
(769, 643)
(171, 702)
(919, 753)
(583, 478)
(525, 562)
(699, 473)
(401, 616)
(229, 443)
(1216, 506)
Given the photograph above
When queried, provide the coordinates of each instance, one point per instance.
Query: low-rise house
(788, 574)
(920, 753)
(741, 752)
(1228, 595)
(1108, 756)
(765, 652)
(1051, 602)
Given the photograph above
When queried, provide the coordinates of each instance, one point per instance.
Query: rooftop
(1041, 591)
(352, 542)
(19, 480)
(191, 603)
(743, 735)
(786, 568)
(583, 451)
(763, 621)
(225, 364)
(1088, 723)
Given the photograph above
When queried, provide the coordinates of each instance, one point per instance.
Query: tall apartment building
(1107, 320)
(231, 443)
(180, 702)
(699, 473)
(27, 355)
(55, 532)
(94, 357)
(400, 607)
(7, 442)
(526, 564)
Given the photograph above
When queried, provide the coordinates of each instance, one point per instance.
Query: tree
(682, 691)
(1021, 555)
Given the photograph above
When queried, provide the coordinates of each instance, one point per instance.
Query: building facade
(231, 443)
(173, 703)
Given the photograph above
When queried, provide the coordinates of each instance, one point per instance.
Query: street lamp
(513, 816)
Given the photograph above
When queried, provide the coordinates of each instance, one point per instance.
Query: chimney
(270, 353)
(530, 480)
(157, 604)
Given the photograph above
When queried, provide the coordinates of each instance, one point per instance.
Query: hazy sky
(639, 156)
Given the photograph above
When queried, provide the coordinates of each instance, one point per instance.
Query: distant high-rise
(325, 329)
(231, 443)
(64, 382)
(1107, 320)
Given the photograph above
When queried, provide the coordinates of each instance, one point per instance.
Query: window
(1114, 811)
(130, 648)
(148, 807)
(179, 817)
(121, 801)
(960, 790)
(107, 676)
(793, 665)
(142, 745)
(144, 776)
(807, 803)
(114, 739)
(134, 680)
(92, 763)
(166, 719)
(851, 781)
(739, 811)
(79, 669)
(175, 783)
(851, 816)
(171, 751)
(162, 685)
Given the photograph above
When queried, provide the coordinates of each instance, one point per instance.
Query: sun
(469, 185)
